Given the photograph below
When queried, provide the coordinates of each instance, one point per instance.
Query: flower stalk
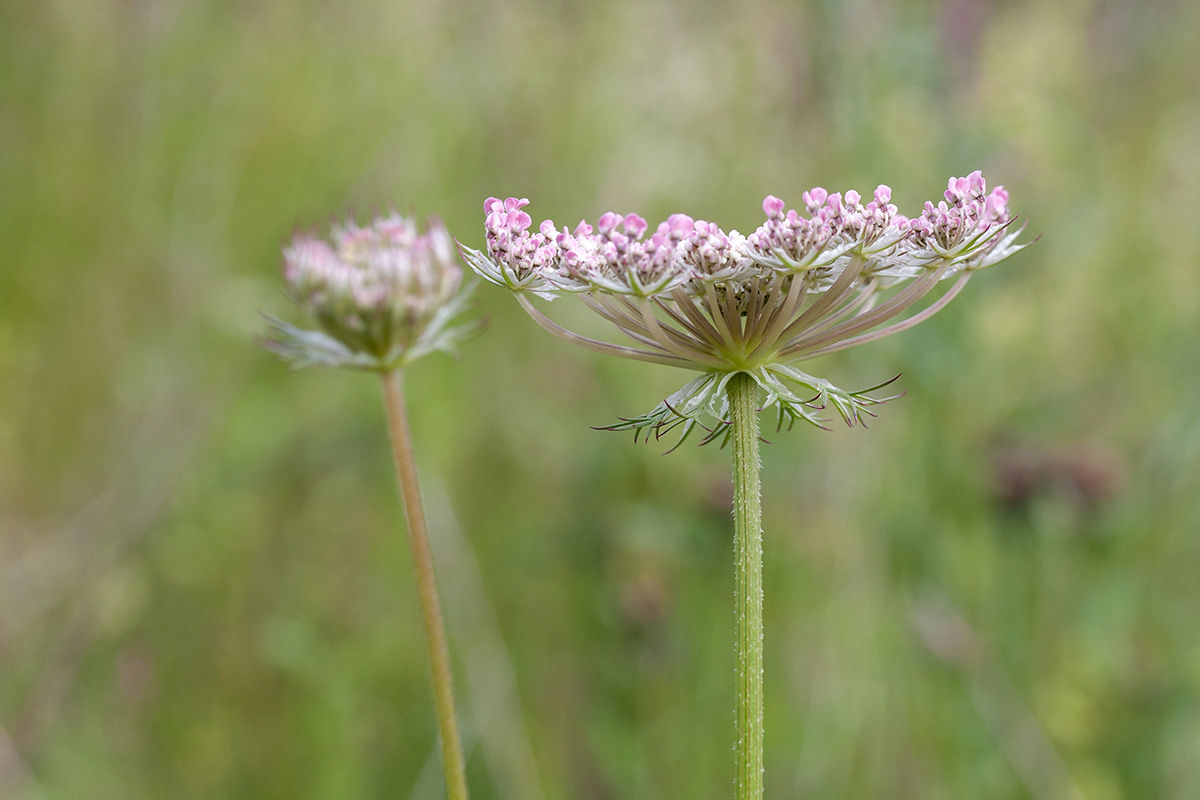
(431, 609)
(742, 312)
(747, 519)
(384, 296)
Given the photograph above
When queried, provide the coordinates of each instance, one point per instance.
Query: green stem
(747, 517)
(435, 631)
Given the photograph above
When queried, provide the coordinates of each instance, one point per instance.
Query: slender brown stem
(435, 631)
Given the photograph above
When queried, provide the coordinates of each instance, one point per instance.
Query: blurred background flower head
(384, 295)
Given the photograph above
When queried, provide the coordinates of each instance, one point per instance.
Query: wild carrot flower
(384, 295)
(743, 311)
(802, 285)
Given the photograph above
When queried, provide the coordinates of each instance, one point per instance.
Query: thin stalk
(431, 609)
(707, 332)
(595, 345)
(747, 518)
(863, 338)
(718, 318)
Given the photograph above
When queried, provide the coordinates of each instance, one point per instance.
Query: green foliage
(204, 589)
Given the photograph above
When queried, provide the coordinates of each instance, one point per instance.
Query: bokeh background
(204, 587)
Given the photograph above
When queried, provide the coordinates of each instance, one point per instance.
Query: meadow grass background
(204, 588)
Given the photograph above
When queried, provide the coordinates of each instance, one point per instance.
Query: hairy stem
(435, 631)
(747, 517)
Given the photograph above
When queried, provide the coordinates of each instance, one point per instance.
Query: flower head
(383, 295)
(805, 283)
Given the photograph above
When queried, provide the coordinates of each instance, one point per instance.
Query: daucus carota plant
(384, 295)
(743, 311)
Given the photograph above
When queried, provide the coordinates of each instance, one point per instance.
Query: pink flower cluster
(377, 286)
(968, 212)
(614, 256)
(523, 255)
(966, 229)
(836, 224)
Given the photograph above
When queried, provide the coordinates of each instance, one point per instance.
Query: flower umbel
(802, 285)
(383, 295)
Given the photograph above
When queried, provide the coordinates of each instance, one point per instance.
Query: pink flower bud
(815, 198)
(997, 204)
(519, 220)
(635, 226)
(772, 207)
(975, 182)
(680, 224)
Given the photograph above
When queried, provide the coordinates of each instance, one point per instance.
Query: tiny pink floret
(635, 226)
(518, 220)
(680, 225)
(815, 198)
(997, 204)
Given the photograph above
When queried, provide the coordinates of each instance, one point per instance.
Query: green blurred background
(204, 587)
